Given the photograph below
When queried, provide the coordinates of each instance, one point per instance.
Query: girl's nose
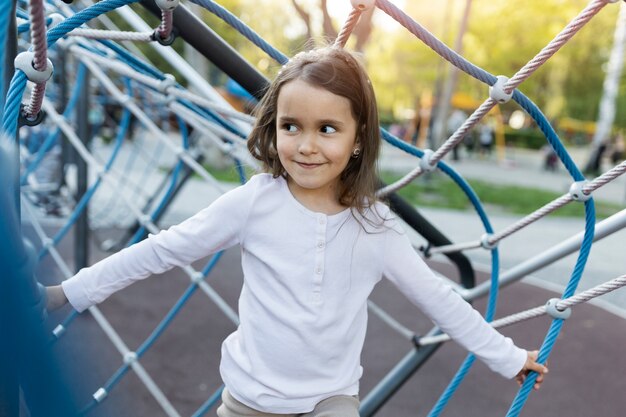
(308, 144)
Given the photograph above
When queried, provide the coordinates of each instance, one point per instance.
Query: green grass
(439, 191)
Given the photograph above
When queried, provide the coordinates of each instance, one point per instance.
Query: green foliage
(529, 138)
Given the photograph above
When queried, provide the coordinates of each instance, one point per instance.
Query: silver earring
(356, 152)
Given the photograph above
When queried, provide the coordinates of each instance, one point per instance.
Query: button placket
(318, 269)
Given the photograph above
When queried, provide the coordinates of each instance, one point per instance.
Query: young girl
(314, 243)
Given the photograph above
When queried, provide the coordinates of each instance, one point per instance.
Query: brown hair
(339, 72)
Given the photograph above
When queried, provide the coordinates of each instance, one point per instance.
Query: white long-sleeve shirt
(303, 305)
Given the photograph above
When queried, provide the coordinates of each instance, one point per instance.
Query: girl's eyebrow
(291, 119)
(287, 119)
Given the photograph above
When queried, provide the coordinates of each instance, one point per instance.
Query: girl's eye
(328, 129)
(290, 127)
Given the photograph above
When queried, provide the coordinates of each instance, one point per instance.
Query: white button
(320, 244)
(316, 297)
(318, 271)
(322, 220)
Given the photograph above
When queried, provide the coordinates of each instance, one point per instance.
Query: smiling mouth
(307, 165)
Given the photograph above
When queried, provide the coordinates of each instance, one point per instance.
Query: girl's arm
(453, 315)
(215, 228)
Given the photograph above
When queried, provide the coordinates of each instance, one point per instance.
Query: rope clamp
(362, 5)
(58, 331)
(417, 341)
(26, 120)
(130, 358)
(426, 250)
(425, 161)
(100, 395)
(484, 241)
(577, 193)
(164, 41)
(24, 62)
(144, 220)
(166, 83)
(197, 277)
(55, 19)
(167, 5)
(497, 92)
(553, 311)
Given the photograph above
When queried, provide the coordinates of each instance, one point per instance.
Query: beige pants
(338, 406)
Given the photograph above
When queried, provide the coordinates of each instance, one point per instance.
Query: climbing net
(143, 172)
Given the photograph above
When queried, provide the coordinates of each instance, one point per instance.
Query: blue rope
(209, 403)
(242, 28)
(164, 200)
(18, 83)
(495, 263)
(133, 61)
(51, 139)
(158, 331)
(82, 204)
(12, 104)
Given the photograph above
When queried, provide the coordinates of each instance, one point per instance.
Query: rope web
(134, 174)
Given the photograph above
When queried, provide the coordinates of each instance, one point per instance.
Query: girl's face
(315, 138)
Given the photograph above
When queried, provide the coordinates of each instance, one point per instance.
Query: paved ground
(586, 367)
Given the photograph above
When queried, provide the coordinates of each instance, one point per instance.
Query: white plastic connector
(555, 312)
(497, 92)
(197, 277)
(130, 357)
(55, 19)
(125, 100)
(100, 395)
(58, 331)
(484, 241)
(425, 164)
(47, 243)
(145, 220)
(24, 62)
(576, 191)
(166, 83)
(167, 5)
(363, 4)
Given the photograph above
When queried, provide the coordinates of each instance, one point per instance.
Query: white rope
(112, 35)
(172, 90)
(149, 124)
(582, 297)
(559, 202)
(115, 181)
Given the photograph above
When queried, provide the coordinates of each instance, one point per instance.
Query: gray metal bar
(603, 229)
(384, 390)
(81, 230)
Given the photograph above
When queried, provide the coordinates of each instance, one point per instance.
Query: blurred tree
(361, 33)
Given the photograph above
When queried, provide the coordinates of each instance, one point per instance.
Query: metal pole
(384, 390)
(9, 386)
(81, 231)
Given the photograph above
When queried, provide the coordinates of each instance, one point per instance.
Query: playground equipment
(129, 183)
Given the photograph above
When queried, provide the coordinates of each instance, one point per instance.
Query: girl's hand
(55, 298)
(532, 365)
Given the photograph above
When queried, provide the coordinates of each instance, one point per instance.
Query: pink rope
(167, 23)
(561, 39)
(347, 28)
(40, 51)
